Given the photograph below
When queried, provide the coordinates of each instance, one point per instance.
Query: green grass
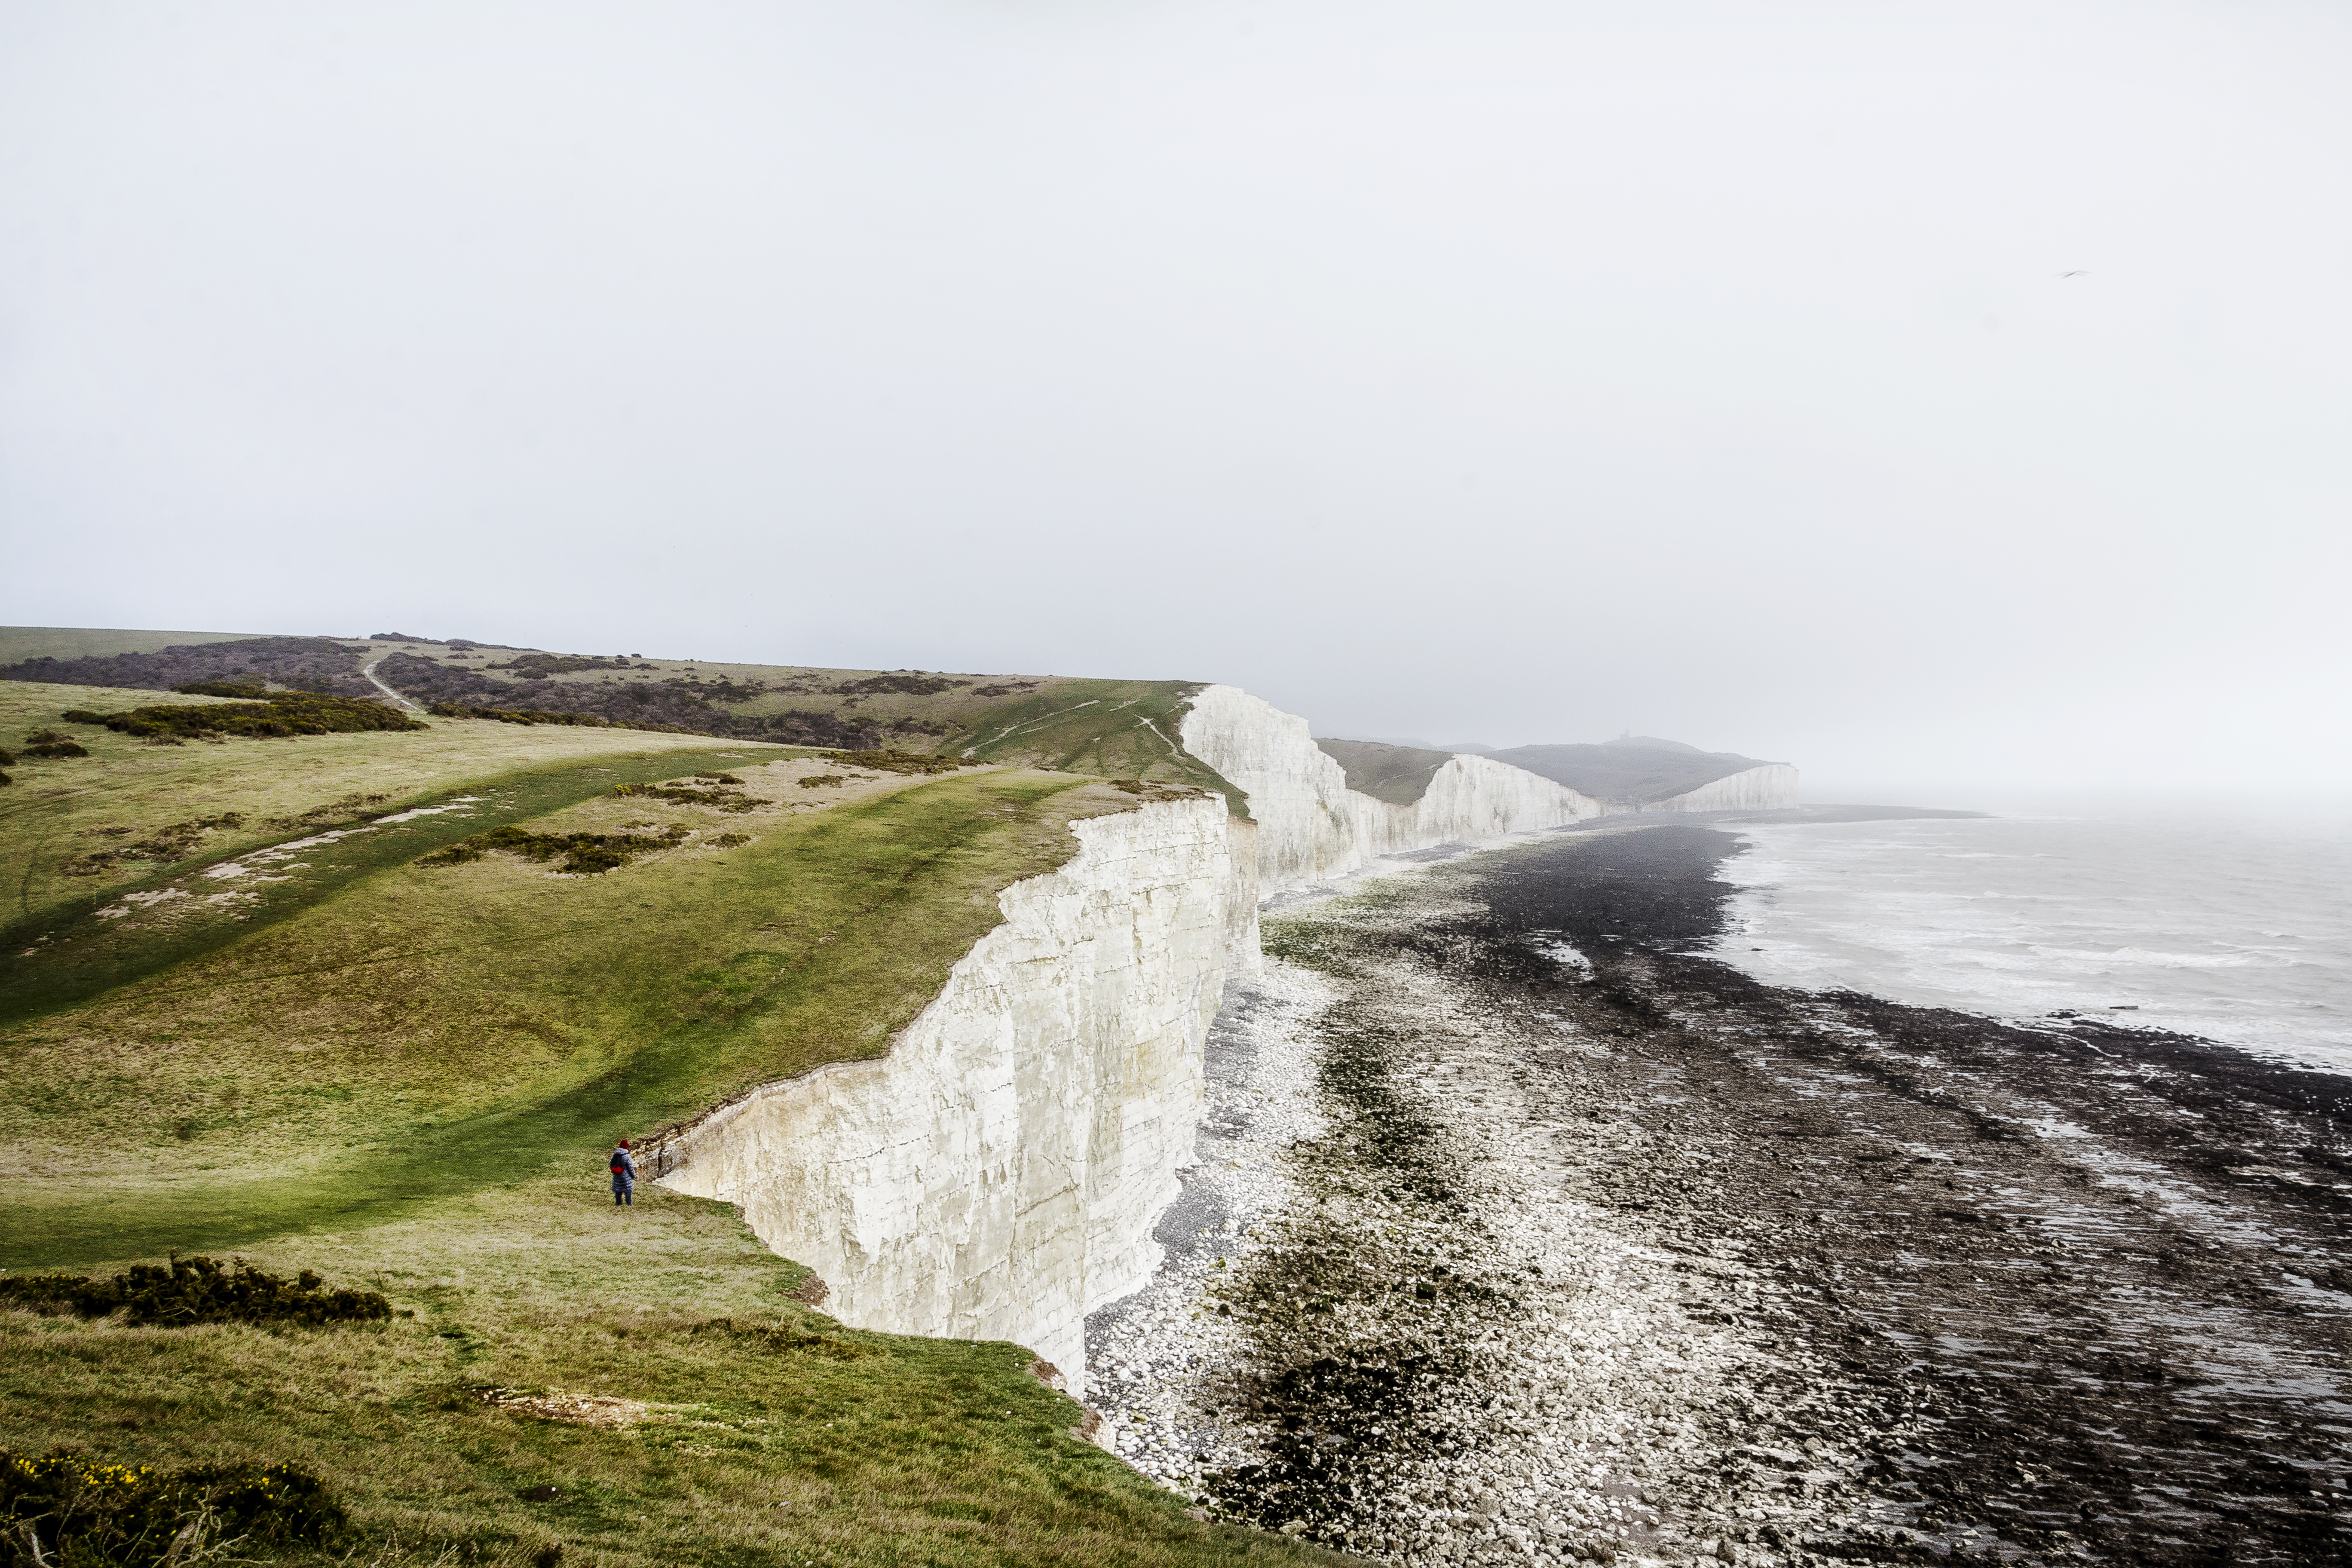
(1118, 728)
(883, 1451)
(74, 952)
(56, 810)
(424, 1032)
(405, 1078)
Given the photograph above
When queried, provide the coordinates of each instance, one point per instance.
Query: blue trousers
(625, 1191)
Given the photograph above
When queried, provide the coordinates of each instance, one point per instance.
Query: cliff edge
(998, 1174)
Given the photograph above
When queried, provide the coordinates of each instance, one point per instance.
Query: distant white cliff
(1771, 787)
(1312, 828)
(997, 1175)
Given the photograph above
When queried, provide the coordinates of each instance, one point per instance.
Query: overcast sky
(1928, 394)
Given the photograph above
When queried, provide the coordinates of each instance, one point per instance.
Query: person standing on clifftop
(625, 1175)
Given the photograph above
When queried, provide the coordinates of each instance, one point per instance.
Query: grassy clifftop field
(1114, 728)
(334, 1003)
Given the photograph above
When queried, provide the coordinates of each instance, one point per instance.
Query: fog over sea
(2226, 921)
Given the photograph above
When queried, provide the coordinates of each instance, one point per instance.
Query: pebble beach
(1521, 1233)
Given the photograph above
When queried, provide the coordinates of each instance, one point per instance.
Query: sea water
(2227, 922)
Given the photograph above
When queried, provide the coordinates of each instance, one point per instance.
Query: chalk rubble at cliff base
(1419, 1347)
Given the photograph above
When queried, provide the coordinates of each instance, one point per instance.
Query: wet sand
(1524, 1230)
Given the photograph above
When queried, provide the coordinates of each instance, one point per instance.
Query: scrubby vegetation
(538, 665)
(542, 716)
(677, 705)
(686, 795)
(585, 854)
(906, 684)
(354, 805)
(57, 749)
(69, 1512)
(195, 1290)
(1143, 791)
(175, 842)
(280, 713)
(308, 664)
(413, 1082)
(902, 761)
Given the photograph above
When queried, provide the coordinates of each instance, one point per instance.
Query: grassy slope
(883, 1451)
(48, 816)
(1398, 775)
(423, 1032)
(408, 1079)
(1120, 729)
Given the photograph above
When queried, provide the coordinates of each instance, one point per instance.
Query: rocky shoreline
(1524, 1230)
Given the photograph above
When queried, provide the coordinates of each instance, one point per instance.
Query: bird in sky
(2078, 272)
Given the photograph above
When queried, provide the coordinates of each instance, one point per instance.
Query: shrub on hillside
(907, 685)
(314, 664)
(585, 854)
(1157, 792)
(195, 1290)
(686, 794)
(673, 706)
(902, 761)
(67, 1512)
(542, 716)
(537, 665)
(349, 807)
(57, 749)
(280, 713)
(176, 842)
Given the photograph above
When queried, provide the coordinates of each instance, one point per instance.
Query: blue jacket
(623, 1168)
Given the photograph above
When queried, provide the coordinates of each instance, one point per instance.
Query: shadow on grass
(884, 896)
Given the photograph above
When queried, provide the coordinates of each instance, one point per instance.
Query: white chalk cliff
(1771, 787)
(1312, 828)
(997, 1175)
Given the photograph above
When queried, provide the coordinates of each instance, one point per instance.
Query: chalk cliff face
(1771, 787)
(998, 1174)
(1312, 827)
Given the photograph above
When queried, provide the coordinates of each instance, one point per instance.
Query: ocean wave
(2156, 960)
